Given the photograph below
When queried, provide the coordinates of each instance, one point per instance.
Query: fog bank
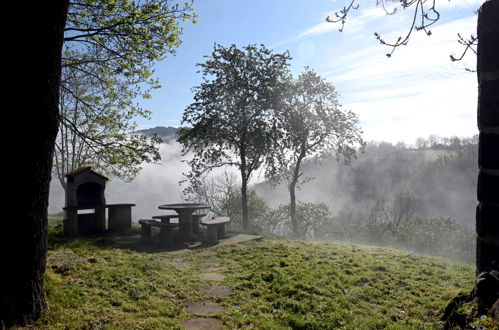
(156, 184)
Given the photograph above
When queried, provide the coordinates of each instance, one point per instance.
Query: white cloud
(417, 92)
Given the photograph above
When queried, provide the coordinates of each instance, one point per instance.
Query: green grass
(276, 284)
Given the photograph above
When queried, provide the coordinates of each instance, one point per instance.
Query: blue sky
(417, 92)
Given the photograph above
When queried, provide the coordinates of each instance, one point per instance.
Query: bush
(441, 237)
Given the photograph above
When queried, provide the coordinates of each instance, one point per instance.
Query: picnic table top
(98, 206)
(184, 206)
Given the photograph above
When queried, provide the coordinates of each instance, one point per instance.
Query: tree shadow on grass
(126, 240)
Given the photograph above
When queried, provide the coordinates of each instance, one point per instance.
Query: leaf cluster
(230, 122)
(311, 123)
(110, 48)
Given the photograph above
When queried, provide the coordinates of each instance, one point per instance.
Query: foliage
(223, 194)
(110, 48)
(395, 213)
(94, 129)
(442, 237)
(433, 236)
(257, 209)
(231, 117)
(314, 220)
(311, 124)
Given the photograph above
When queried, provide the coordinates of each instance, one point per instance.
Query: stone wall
(487, 216)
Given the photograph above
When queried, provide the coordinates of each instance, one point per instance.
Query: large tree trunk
(22, 294)
(487, 216)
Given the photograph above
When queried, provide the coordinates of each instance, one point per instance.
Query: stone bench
(166, 218)
(215, 229)
(119, 216)
(165, 233)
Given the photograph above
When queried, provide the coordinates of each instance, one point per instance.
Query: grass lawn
(276, 284)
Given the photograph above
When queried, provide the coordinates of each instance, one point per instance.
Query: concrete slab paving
(203, 323)
(204, 308)
(212, 277)
(217, 291)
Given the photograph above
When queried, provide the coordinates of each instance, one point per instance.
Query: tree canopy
(110, 48)
(311, 124)
(231, 121)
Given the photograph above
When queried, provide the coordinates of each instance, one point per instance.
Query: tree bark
(244, 205)
(292, 190)
(487, 215)
(22, 293)
(244, 188)
(292, 210)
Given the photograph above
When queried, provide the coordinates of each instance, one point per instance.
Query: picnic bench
(165, 233)
(196, 217)
(166, 218)
(215, 229)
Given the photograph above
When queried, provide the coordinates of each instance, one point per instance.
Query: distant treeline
(421, 198)
(439, 173)
(167, 134)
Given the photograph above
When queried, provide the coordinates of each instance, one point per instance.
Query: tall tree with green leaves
(313, 125)
(95, 129)
(110, 48)
(87, 24)
(231, 121)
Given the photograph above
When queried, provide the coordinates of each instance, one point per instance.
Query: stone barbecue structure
(85, 210)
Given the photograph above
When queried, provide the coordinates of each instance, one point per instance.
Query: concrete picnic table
(185, 211)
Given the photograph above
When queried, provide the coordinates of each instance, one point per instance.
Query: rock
(208, 253)
(204, 308)
(487, 287)
(203, 323)
(217, 291)
(495, 312)
(211, 277)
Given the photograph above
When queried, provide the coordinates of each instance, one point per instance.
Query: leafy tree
(90, 24)
(232, 115)
(312, 124)
(109, 50)
(94, 131)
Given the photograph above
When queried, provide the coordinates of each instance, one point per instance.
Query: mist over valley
(438, 176)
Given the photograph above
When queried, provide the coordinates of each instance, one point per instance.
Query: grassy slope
(277, 284)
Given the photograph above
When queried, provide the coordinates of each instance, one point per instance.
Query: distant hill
(167, 134)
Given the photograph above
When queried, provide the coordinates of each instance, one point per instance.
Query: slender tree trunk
(292, 192)
(487, 215)
(292, 209)
(22, 294)
(244, 188)
(244, 204)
